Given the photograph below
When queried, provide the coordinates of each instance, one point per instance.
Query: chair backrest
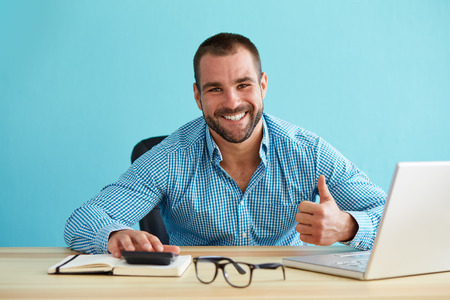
(152, 222)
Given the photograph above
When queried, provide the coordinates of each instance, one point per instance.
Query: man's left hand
(324, 223)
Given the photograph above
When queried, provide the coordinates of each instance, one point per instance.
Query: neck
(245, 153)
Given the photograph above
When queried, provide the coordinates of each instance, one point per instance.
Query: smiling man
(230, 92)
(236, 176)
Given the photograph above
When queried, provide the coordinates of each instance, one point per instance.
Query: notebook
(107, 264)
(414, 232)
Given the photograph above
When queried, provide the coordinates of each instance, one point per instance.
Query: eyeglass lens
(206, 272)
(236, 278)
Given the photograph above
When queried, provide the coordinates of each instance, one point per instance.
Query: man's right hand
(135, 240)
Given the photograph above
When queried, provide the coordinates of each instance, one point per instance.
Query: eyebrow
(244, 79)
(209, 84)
(215, 84)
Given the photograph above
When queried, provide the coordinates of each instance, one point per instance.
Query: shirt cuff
(365, 236)
(101, 239)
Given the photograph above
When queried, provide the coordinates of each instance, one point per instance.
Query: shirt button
(244, 235)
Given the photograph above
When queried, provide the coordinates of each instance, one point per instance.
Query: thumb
(324, 193)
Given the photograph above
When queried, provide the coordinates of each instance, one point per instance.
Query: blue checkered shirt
(202, 205)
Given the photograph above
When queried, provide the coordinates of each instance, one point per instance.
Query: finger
(298, 217)
(127, 243)
(113, 248)
(307, 238)
(155, 243)
(171, 248)
(313, 239)
(142, 241)
(324, 193)
(308, 207)
(304, 218)
(304, 229)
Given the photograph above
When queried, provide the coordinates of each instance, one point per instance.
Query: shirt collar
(214, 152)
(265, 142)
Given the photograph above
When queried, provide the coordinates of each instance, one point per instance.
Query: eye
(215, 90)
(243, 85)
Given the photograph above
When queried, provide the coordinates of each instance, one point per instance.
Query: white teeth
(236, 117)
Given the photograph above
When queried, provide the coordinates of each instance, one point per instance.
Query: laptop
(413, 235)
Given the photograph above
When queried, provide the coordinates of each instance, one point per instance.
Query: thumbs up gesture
(324, 223)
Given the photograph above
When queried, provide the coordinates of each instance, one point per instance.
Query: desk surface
(23, 276)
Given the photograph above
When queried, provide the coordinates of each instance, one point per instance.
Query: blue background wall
(82, 81)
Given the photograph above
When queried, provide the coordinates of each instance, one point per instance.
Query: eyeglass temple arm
(271, 266)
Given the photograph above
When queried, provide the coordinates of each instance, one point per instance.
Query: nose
(232, 99)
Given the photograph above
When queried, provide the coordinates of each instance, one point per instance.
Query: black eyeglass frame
(217, 262)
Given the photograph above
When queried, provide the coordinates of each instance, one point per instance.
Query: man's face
(231, 96)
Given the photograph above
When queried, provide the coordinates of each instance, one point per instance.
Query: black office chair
(152, 222)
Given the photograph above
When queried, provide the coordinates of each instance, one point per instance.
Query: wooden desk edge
(232, 251)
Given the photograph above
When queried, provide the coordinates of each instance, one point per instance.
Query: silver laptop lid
(414, 233)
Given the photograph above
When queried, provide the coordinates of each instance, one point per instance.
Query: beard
(239, 137)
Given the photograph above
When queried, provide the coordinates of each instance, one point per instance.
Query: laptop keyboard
(353, 260)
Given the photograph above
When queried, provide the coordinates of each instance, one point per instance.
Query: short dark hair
(224, 44)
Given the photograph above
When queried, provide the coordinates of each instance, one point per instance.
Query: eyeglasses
(237, 274)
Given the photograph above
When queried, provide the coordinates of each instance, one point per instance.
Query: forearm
(354, 193)
(88, 229)
(365, 203)
(118, 206)
(367, 228)
(349, 227)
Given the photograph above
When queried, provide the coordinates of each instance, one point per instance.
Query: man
(234, 177)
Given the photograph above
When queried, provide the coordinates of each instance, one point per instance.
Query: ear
(197, 96)
(263, 84)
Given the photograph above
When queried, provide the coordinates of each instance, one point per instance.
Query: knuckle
(320, 212)
(155, 240)
(320, 226)
(323, 240)
(111, 247)
(139, 236)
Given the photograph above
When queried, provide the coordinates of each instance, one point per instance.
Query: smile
(235, 117)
